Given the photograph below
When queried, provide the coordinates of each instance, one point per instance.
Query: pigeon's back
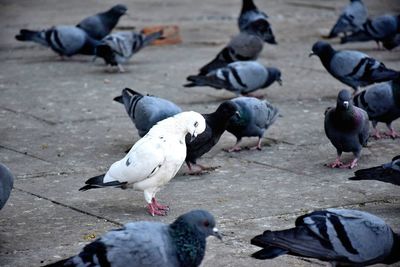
(246, 46)
(358, 12)
(67, 40)
(6, 184)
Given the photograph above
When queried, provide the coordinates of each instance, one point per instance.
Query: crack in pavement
(26, 154)
(48, 122)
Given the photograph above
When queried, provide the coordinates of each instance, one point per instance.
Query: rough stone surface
(59, 126)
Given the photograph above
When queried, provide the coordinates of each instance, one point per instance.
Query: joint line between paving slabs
(70, 207)
(25, 153)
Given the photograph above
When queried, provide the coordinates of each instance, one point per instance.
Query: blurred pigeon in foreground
(255, 117)
(253, 21)
(150, 244)
(101, 24)
(241, 77)
(382, 103)
(353, 68)
(119, 47)
(242, 47)
(153, 160)
(216, 124)
(388, 172)
(340, 236)
(351, 19)
(64, 40)
(6, 184)
(380, 29)
(347, 127)
(146, 111)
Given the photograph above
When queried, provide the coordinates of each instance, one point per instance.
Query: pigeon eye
(196, 124)
(206, 223)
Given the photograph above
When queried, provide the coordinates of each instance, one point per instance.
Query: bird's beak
(311, 54)
(94, 59)
(237, 114)
(216, 233)
(279, 81)
(192, 137)
(346, 104)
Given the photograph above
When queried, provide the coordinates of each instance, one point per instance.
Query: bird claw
(392, 134)
(233, 149)
(335, 164)
(155, 208)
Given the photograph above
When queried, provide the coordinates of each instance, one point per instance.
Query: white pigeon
(153, 160)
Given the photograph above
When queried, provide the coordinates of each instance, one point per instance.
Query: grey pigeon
(119, 47)
(382, 103)
(64, 40)
(100, 25)
(150, 244)
(380, 29)
(340, 236)
(242, 47)
(254, 21)
(388, 172)
(153, 160)
(216, 124)
(352, 68)
(347, 127)
(351, 19)
(240, 77)
(6, 184)
(255, 117)
(146, 111)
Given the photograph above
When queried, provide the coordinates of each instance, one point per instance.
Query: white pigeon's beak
(192, 137)
(216, 233)
(346, 104)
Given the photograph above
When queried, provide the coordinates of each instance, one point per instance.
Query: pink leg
(158, 205)
(154, 211)
(375, 134)
(258, 146)
(235, 148)
(336, 164)
(392, 133)
(350, 165)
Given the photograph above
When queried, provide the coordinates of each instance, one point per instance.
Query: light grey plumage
(64, 40)
(351, 19)
(340, 236)
(352, 68)
(6, 184)
(150, 244)
(119, 47)
(380, 29)
(255, 117)
(146, 111)
(347, 127)
(242, 47)
(241, 77)
(382, 103)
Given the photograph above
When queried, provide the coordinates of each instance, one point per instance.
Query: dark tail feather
(152, 37)
(269, 253)
(97, 182)
(33, 36)
(206, 81)
(386, 175)
(382, 74)
(60, 263)
(359, 36)
(222, 59)
(190, 85)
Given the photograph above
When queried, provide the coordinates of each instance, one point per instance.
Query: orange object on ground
(170, 33)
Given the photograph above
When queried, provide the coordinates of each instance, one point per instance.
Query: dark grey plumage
(146, 111)
(347, 127)
(388, 172)
(382, 103)
(352, 68)
(351, 19)
(340, 236)
(380, 29)
(216, 124)
(255, 117)
(152, 244)
(119, 47)
(101, 24)
(64, 40)
(253, 21)
(242, 47)
(6, 184)
(393, 43)
(241, 77)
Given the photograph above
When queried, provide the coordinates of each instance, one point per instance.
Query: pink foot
(392, 134)
(154, 211)
(234, 149)
(158, 205)
(350, 165)
(376, 135)
(336, 164)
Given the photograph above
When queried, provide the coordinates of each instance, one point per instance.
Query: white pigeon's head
(193, 121)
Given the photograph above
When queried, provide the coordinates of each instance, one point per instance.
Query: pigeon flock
(171, 136)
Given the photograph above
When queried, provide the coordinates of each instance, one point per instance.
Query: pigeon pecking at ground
(347, 127)
(392, 43)
(382, 103)
(340, 236)
(242, 47)
(351, 19)
(216, 124)
(352, 68)
(146, 111)
(388, 172)
(153, 160)
(253, 21)
(255, 117)
(100, 25)
(6, 184)
(241, 77)
(380, 29)
(150, 244)
(119, 47)
(64, 40)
